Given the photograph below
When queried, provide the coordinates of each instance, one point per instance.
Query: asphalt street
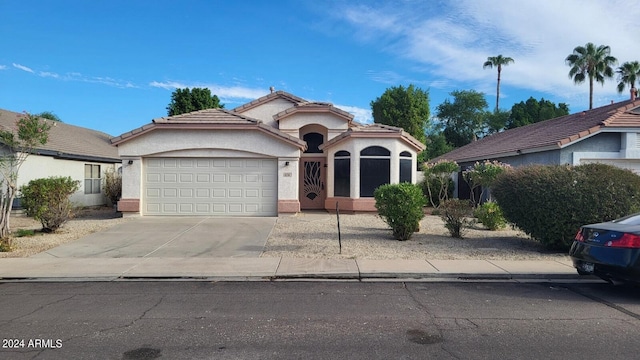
(318, 320)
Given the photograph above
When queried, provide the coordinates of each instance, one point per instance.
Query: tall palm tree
(628, 73)
(498, 62)
(592, 62)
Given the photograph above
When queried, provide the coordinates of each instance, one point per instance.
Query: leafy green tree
(49, 115)
(498, 62)
(31, 132)
(436, 145)
(533, 111)
(496, 121)
(465, 118)
(628, 73)
(407, 108)
(591, 62)
(185, 101)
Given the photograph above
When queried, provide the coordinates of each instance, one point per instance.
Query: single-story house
(80, 153)
(277, 154)
(609, 134)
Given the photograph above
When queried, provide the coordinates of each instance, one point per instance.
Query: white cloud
(76, 76)
(3, 67)
(22, 67)
(48, 74)
(227, 94)
(359, 114)
(451, 42)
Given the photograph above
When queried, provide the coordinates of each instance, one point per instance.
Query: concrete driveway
(172, 237)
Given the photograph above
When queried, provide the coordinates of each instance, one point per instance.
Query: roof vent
(272, 89)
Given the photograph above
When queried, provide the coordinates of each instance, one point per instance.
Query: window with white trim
(92, 179)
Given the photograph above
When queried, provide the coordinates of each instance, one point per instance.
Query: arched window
(342, 174)
(314, 140)
(405, 167)
(375, 162)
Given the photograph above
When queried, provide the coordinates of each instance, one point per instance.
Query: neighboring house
(80, 153)
(277, 154)
(609, 134)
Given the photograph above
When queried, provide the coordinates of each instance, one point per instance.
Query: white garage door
(201, 186)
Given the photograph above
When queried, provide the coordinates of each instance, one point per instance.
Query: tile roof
(313, 107)
(375, 130)
(549, 134)
(69, 141)
(208, 119)
(265, 99)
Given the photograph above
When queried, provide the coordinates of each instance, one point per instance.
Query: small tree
(30, 132)
(439, 174)
(483, 175)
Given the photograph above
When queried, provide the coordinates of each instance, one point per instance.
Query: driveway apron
(172, 237)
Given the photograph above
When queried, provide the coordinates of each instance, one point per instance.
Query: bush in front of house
(455, 213)
(47, 200)
(551, 202)
(400, 206)
(490, 215)
(112, 186)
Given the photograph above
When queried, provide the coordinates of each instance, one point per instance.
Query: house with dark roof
(80, 153)
(609, 134)
(276, 154)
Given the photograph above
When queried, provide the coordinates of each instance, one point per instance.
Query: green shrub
(400, 206)
(47, 200)
(550, 203)
(455, 214)
(490, 215)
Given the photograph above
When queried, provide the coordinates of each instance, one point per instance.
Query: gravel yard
(87, 221)
(366, 236)
(315, 235)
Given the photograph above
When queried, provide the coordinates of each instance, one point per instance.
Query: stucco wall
(604, 143)
(335, 124)
(354, 146)
(543, 158)
(36, 167)
(208, 143)
(266, 111)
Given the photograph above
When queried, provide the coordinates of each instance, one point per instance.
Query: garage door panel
(182, 186)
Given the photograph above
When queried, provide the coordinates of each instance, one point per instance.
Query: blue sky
(112, 65)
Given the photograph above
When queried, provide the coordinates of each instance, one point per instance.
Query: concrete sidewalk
(261, 269)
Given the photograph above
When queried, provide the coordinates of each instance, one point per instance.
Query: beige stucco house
(80, 153)
(277, 154)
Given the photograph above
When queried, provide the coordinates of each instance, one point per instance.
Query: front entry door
(312, 183)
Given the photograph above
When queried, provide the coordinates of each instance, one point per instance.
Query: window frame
(92, 183)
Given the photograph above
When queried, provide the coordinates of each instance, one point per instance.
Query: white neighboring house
(276, 154)
(80, 153)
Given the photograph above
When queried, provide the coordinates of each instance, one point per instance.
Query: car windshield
(633, 219)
